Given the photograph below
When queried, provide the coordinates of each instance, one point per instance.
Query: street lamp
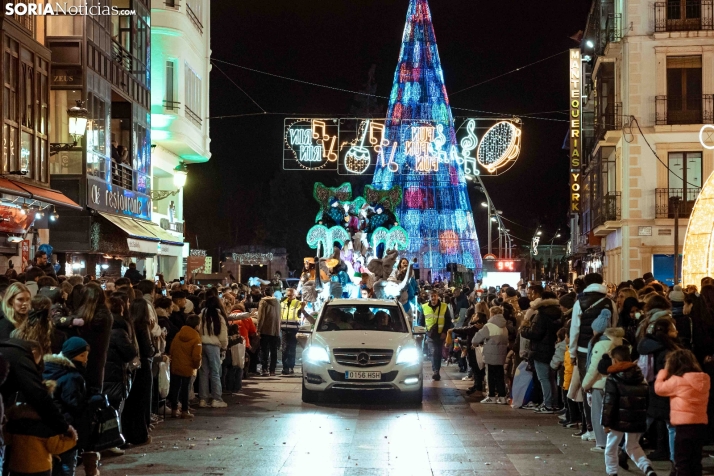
(77, 116)
(180, 175)
(557, 235)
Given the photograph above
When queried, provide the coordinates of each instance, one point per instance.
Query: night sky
(228, 201)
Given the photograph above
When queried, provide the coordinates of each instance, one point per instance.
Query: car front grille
(363, 357)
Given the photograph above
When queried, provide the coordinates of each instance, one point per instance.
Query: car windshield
(361, 317)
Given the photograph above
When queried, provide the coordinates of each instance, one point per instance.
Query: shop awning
(33, 192)
(162, 234)
(131, 227)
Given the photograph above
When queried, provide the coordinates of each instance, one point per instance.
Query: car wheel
(414, 397)
(309, 396)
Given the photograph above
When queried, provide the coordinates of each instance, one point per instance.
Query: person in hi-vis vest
(291, 309)
(435, 313)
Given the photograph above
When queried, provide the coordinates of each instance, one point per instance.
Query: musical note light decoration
(436, 202)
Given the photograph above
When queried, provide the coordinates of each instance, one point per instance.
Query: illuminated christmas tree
(436, 211)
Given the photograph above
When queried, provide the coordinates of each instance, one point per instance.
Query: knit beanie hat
(602, 321)
(677, 295)
(568, 301)
(74, 346)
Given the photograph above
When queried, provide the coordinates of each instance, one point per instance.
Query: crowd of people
(628, 366)
(73, 348)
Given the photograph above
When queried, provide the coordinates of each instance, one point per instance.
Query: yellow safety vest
(290, 312)
(434, 316)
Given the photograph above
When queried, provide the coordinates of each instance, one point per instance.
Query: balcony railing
(666, 200)
(684, 109)
(684, 15)
(609, 209)
(129, 63)
(194, 18)
(195, 118)
(121, 175)
(167, 225)
(611, 120)
(171, 105)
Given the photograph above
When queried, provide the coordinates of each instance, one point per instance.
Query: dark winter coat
(591, 304)
(24, 384)
(97, 334)
(6, 326)
(70, 389)
(543, 329)
(703, 323)
(625, 404)
(178, 319)
(683, 324)
(166, 322)
(134, 275)
(658, 407)
(122, 350)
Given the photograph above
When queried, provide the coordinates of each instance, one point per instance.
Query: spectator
(269, 330)
(133, 274)
(43, 263)
(214, 337)
(494, 336)
(15, 308)
(186, 351)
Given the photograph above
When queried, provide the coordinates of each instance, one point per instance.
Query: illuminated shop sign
(575, 128)
(353, 146)
(113, 199)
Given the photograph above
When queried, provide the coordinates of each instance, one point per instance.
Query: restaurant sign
(107, 197)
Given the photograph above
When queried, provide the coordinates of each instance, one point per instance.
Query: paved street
(270, 431)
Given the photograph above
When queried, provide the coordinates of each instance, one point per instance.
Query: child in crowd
(687, 387)
(185, 353)
(30, 444)
(494, 337)
(624, 411)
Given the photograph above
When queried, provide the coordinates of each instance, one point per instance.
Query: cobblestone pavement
(267, 430)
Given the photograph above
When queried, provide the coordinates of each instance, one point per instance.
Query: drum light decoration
(698, 251)
(499, 146)
(433, 187)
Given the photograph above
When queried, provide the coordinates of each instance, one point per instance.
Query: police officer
(291, 309)
(436, 317)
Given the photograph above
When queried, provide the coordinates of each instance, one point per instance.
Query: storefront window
(60, 102)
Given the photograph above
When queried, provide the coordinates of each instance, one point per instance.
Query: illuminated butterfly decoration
(389, 199)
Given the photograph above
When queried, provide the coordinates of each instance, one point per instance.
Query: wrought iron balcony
(611, 120)
(684, 109)
(609, 209)
(668, 201)
(684, 15)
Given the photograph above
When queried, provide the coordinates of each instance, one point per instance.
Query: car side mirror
(419, 330)
(306, 329)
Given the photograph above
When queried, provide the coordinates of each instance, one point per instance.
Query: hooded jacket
(269, 316)
(658, 406)
(186, 352)
(625, 404)
(542, 329)
(70, 390)
(585, 311)
(494, 336)
(688, 396)
(610, 339)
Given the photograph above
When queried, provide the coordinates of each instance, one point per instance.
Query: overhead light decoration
(500, 146)
(24, 208)
(54, 216)
(14, 239)
(77, 117)
(39, 213)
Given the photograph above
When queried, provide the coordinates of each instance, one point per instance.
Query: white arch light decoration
(698, 251)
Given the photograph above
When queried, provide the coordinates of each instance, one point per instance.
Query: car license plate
(362, 375)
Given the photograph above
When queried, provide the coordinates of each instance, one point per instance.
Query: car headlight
(317, 355)
(408, 355)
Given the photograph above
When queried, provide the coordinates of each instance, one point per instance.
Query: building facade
(647, 89)
(27, 204)
(180, 67)
(104, 61)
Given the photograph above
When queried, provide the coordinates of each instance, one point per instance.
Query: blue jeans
(66, 465)
(547, 382)
(435, 353)
(210, 368)
(671, 430)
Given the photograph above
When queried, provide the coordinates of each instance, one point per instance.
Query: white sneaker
(489, 400)
(597, 449)
(218, 404)
(467, 378)
(203, 404)
(115, 451)
(502, 401)
(588, 436)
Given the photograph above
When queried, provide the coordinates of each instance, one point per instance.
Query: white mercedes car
(362, 345)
